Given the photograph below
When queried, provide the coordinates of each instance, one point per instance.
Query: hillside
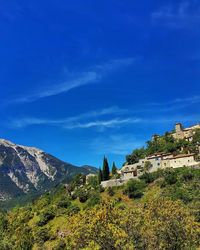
(161, 210)
(27, 170)
(167, 144)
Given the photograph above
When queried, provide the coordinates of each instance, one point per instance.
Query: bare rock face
(25, 170)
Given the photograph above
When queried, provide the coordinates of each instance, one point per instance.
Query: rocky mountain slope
(25, 170)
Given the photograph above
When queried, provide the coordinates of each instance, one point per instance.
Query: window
(135, 173)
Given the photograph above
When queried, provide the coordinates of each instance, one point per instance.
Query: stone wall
(114, 183)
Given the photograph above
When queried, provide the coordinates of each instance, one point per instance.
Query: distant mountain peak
(11, 144)
(28, 169)
(6, 142)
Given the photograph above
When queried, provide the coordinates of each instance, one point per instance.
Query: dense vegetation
(159, 211)
(165, 144)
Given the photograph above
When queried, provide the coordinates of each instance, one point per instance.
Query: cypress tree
(114, 169)
(106, 170)
(100, 176)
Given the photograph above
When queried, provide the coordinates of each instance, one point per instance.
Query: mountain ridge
(25, 170)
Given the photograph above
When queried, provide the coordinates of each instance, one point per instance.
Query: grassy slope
(186, 187)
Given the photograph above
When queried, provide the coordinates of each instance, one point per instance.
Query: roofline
(158, 155)
(181, 156)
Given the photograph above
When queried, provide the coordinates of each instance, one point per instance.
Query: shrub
(93, 182)
(60, 246)
(3, 223)
(82, 194)
(187, 175)
(46, 216)
(41, 236)
(182, 194)
(170, 177)
(64, 203)
(134, 188)
(148, 177)
(111, 191)
(26, 241)
(161, 224)
(73, 209)
(101, 189)
(94, 200)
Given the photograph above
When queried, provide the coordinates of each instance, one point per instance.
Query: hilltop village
(162, 160)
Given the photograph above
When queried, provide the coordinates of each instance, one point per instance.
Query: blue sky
(84, 79)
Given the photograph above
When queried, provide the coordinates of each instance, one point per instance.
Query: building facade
(184, 133)
(158, 161)
(178, 161)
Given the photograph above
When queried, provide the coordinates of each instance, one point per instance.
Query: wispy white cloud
(114, 116)
(184, 15)
(68, 123)
(78, 79)
(102, 124)
(82, 79)
(84, 120)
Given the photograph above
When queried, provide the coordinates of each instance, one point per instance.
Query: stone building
(135, 170)
(129, 171)
(155, 162)
(180, 132)
(178, 161)
(158, 161)
(184, 133)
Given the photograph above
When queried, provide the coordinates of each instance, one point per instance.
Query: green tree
(47, 215)
(100, 176)
(114, 169)
(106, 170)
(79, 179)
(135, 188)
(136, 155)
(93, 182)
(196, 137)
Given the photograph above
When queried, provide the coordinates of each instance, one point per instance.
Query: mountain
(25, 170)
(91, 169)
